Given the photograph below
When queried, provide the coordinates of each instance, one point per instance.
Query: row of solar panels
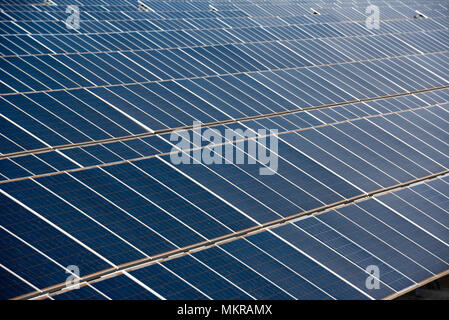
(93, 26)
(275, 31)
(219, 11)
(37, 4)
(71, 158)
(200, 19)
(166, 9)
(89, 13)
(108, 216)
(139, 108)
(100, 69)
(216, 10)
(50, 44)
(329, 256)
(99, 218)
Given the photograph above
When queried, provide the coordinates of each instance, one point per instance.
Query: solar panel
(117, 170)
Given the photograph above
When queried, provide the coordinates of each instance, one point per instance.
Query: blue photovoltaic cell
(11, 286)
(11, 170)
(202, 199)
(28, 264)
(70, 219)
(169, 285)
(205, 279)
(325, 255)
(83, 293)
(304, 266)
(394, 238)
(56, 246)
(57, 161)
(428, 242)
(420, 218)
(274, 270)
(375, 245)
(81, 157)
(33, 164)
(98, 208)
(353, 252)
(180, 208)
(124, 288)
(247, 279)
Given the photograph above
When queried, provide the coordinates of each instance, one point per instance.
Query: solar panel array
(86, 176)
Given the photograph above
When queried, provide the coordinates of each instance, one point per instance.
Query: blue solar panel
(90, 119)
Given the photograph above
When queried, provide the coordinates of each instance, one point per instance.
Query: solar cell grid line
(69, 128)
(109, 201)
(404, 260)
(122, 287)
(259, 294)
(93, 130)
(198, 207)
(327, 283)
(244, 221)
(423, 76)
(130, 98)
(405, 123)
(265, 212)
(18, 282)
(432, 68)
(153, 203)
(404, 152)
(408, 264)
(400, 281)
(169, 283)
(362, 295)
(293, 164)
(352, 161)
(213, 292)
(195, 269)
(59, 138)
(422, 117)
(422, 227)
(84, 292)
